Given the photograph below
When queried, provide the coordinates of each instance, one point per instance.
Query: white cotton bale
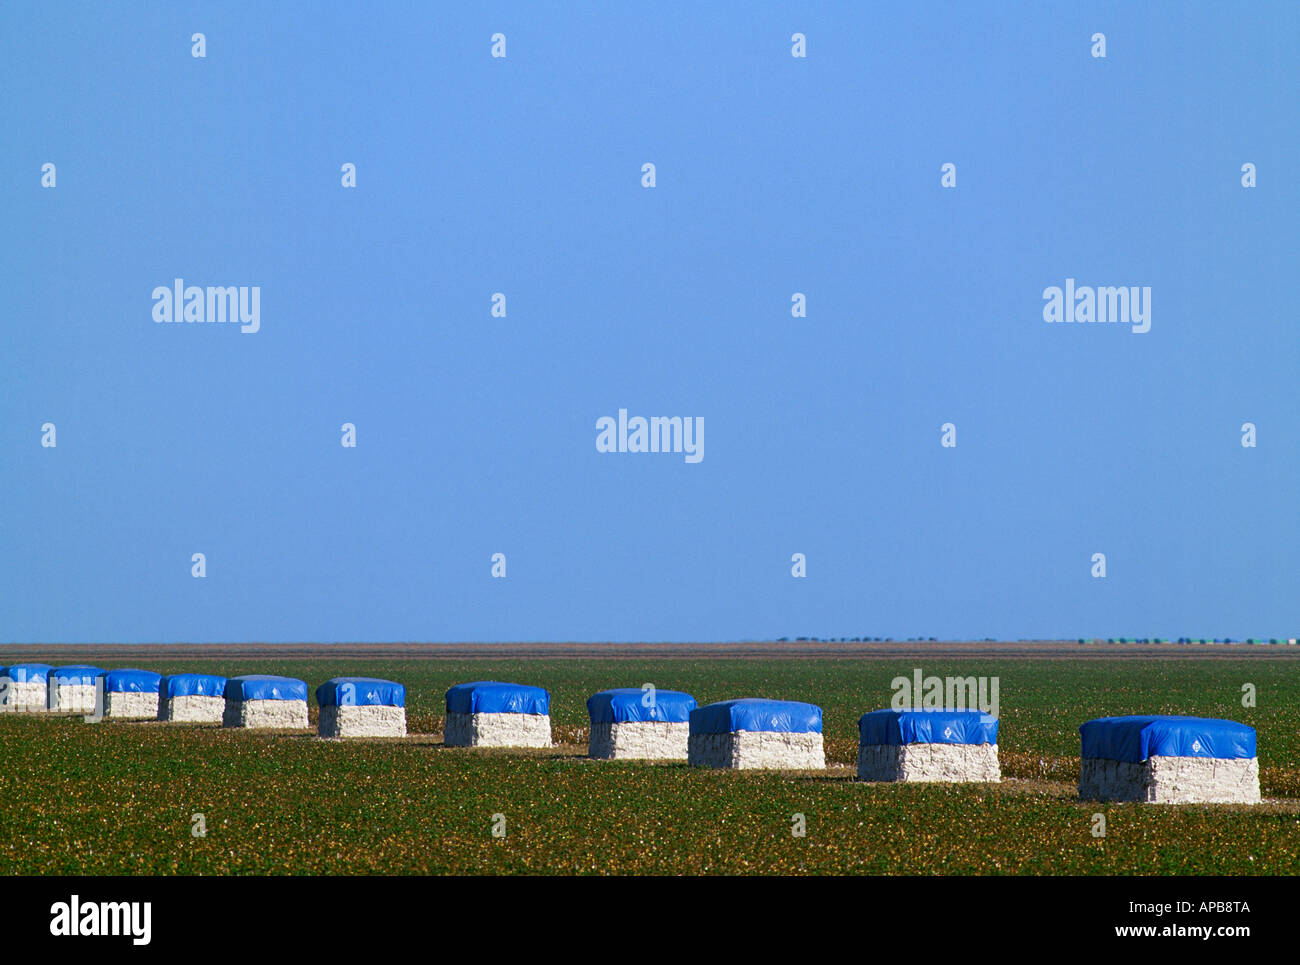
(758, 750)
(639, 740)
(929, 762)
(361, 707)
(72, 698)
(265, 714)
(194, 698)
(1171, 780)
(1168, 759)
(497, 730)
(131, 705)
(192, 708)
(362, 720)
(27, 697)
(942, 744)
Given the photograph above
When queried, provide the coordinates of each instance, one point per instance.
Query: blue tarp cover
(76, 674)
(23, 673)
(1134, 739)
(192, 685)
(360, 692)
(752, 713)
(130, 680)
(927, 727)
(264, 687)
(494, 697)
(628, 705)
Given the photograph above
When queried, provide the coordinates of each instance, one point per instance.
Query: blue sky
(775, 175)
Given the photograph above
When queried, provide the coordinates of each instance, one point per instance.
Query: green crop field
(121, 798)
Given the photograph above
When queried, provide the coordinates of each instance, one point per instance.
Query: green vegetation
(119, 798)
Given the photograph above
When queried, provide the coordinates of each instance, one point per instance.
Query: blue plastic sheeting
(360, 692)
(625, 705)
(264, 687)
(29, 673)
(192, 685)
(751, 713)
(76, 674)
(130, 680)
(927, 727)
(494, 697)
(1135, 739)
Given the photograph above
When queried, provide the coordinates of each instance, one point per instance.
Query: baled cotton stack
(628, 723)
(197, 698)
(1168, 760)
(488, 713)
(72, 689)
(752, 733)
(361, 707)
(262, 701)
(28, 687)
(928, 745)
(131, 694)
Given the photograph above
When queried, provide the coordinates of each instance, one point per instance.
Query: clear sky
(477, 435)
